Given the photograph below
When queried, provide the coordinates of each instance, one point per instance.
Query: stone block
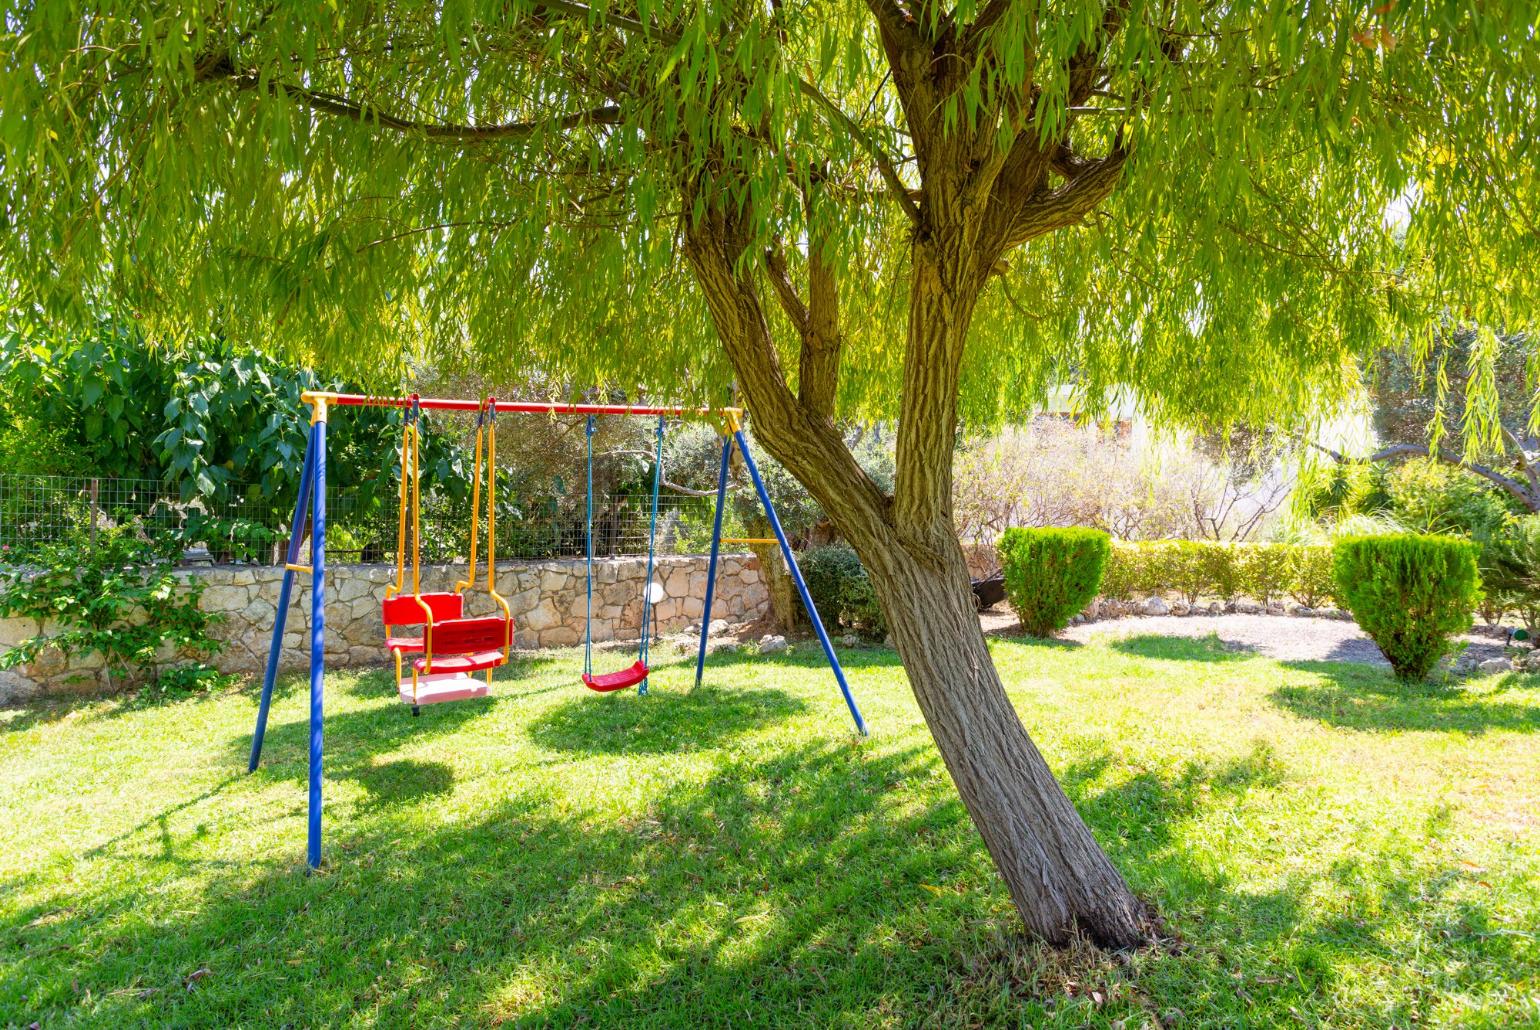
(354, 587)
(559, 636)
(223, 598)
(258, 612)
(542, 617)
(523, 601)
(14, 631)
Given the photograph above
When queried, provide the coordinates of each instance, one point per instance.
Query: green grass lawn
(1327, 847)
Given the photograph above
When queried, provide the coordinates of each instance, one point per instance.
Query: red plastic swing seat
(613, 680)
(403, 644)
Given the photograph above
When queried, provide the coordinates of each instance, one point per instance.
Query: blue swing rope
(652, 536)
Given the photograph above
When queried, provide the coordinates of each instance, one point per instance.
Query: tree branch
(221, 67)
(818, 364)
(786, 291)
(1530, 500)
(1530, 473)
(804, 442)
(993, 12)
(1069, 203)
(884, 162)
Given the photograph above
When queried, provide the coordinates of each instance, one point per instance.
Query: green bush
(1051, 574)
(1220, 565)
(1510, 571)
(1411, 593)
(117, 597)
(1430, 496)
(1125, 573)
(1309, 574)
(841, 590)
(1184, 564)
(1263, 571)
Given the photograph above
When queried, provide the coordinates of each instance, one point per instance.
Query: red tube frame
(360, 400)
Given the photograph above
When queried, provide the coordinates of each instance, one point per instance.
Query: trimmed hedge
(1411, 593)
(1051, 574)
(1201, 568)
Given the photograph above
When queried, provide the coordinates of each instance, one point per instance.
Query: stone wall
(545, 598)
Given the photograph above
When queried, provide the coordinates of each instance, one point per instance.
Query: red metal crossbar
(529, 407)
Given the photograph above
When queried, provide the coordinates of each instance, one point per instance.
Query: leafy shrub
(118, 598)
(1263, 571)
(1219, 567)
(1428, 496)
(1411, 593)
(242, 540)
(1204, 568)
(1193, 568)
(1510, 570)
(1125, 573)
(1051, 574)
(841, 590)
(1309, 574)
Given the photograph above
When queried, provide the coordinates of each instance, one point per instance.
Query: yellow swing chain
(492, 531)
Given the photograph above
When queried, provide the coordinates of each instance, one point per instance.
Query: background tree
(1469, 382)
(220, 426)
(897, 208)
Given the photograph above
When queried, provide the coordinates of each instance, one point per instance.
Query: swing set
(444, 647)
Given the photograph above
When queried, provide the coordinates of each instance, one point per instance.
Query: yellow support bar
(298, 568)
(749, 540)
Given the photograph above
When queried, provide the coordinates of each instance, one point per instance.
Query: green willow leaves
(502, 184)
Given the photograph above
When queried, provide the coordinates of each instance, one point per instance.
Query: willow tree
(890, 209)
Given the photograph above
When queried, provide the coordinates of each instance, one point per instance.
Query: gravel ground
(1286, 638)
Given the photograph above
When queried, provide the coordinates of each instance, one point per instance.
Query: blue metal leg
(281, 617)
(317, 633)
(716, 547)
(796, 578)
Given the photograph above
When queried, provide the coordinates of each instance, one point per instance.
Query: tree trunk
(1058, 877)
(785, 608)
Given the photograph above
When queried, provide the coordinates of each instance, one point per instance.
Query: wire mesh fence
(239, 526)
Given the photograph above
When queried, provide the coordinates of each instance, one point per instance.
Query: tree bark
(785, 608)
(1059, 878)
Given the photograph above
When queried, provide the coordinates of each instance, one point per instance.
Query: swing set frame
(310, 514)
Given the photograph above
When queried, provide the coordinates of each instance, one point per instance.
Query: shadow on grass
(662, 722)
(41, 712)
(784, 889)
(404, 781)
(1367, 698)
(1141, 821)
(379, 681)
(1183, 649)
